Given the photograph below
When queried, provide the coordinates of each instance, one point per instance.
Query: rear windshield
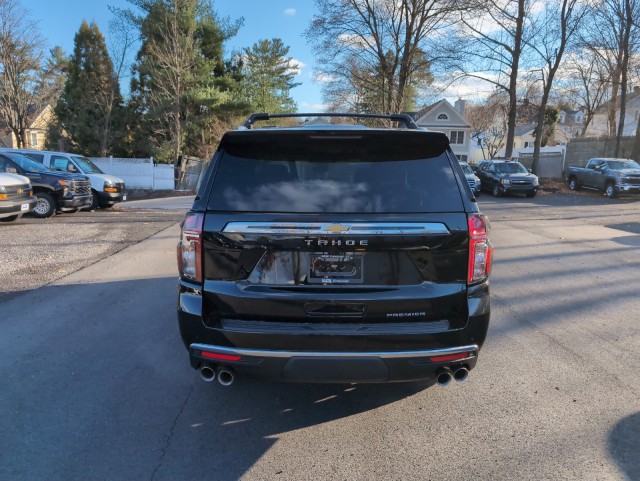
(333, 180)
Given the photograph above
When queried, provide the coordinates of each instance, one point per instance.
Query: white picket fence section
(138, 173)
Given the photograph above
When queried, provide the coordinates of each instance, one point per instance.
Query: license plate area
(24, 207)
(345, 268)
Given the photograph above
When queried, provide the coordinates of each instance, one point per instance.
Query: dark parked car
(53, 190)
(329, 253)
(502, 177)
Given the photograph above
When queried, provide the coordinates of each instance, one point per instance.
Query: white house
(444, 117)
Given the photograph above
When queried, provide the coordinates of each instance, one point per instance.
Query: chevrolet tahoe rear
(334, 254)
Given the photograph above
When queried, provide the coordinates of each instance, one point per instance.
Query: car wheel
(95, 201)
(573, 184)
(45, 205)
(477, 194)
(531, 194)
(497, 192)
(610, 190)
(106, 206)
(11, 218)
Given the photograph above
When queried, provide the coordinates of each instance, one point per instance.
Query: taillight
(190, 248)
(480, 249)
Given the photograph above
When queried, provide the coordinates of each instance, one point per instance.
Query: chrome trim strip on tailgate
(316, 228)
(472, 348)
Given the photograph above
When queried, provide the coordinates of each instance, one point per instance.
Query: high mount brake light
(480, 249)
(190, 248)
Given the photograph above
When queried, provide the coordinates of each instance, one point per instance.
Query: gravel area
(36, 252)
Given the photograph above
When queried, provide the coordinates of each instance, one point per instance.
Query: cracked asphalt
(96, 384)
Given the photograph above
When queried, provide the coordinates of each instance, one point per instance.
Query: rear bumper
(335, 367)
(344, 352)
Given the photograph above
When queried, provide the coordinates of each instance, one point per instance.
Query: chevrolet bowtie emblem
(20, 191)
(335, 228)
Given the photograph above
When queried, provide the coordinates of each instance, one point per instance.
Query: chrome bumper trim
(473, 348)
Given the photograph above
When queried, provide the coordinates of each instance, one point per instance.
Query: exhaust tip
(207, 373)
(444, 378)
(226, 377)
(461, 374)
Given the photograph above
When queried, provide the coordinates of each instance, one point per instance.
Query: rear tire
(573, 183)
(610, 190)
(11, 218)
(497, 192)
(46, 205)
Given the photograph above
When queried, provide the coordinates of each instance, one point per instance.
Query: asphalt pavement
(96, 383)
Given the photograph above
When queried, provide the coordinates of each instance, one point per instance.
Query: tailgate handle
(331, 308)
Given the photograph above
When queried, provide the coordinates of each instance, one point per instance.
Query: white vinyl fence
(138, 173)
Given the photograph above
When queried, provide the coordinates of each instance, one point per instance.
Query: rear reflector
(450, 357)
(219, 357)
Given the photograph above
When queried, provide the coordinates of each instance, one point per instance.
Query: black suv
(54, 191)
(502, 177)
(333, 253)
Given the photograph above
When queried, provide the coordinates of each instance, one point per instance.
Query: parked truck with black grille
(613, 176)
(54, 191)
(334, 253)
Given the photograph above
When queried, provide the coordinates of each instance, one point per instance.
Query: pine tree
(88, 109)
(269, 76)
(180, 83)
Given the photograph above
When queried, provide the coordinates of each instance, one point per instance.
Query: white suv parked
(107, 189)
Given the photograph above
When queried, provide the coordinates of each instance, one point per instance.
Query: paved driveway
(96, 383)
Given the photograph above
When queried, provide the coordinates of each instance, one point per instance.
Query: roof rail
(407, 120)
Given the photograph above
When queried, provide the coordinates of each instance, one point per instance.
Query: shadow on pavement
(624, 447)
(97, 385)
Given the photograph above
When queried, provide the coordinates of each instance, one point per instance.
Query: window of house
(443, 117)
(34, 139)
(461, 157)
(526, 144)
(456, 137)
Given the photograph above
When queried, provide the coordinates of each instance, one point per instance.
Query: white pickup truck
(107, 190)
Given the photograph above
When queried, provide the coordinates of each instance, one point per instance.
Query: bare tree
(488, 121)
(489, 47)
(589, 83)
(615, 38)
(557, 25)
(21, 54)
(379, 42)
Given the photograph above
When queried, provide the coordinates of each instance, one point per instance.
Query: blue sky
(286, 19)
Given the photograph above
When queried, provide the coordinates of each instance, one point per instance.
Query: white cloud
(295, 66)
(290, 11)
(322, 77)
(309, 107)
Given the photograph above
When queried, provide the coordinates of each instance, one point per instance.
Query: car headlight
(505, 181)
(65, 182)
(108, 183)
(535, 181)
(2, 189)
